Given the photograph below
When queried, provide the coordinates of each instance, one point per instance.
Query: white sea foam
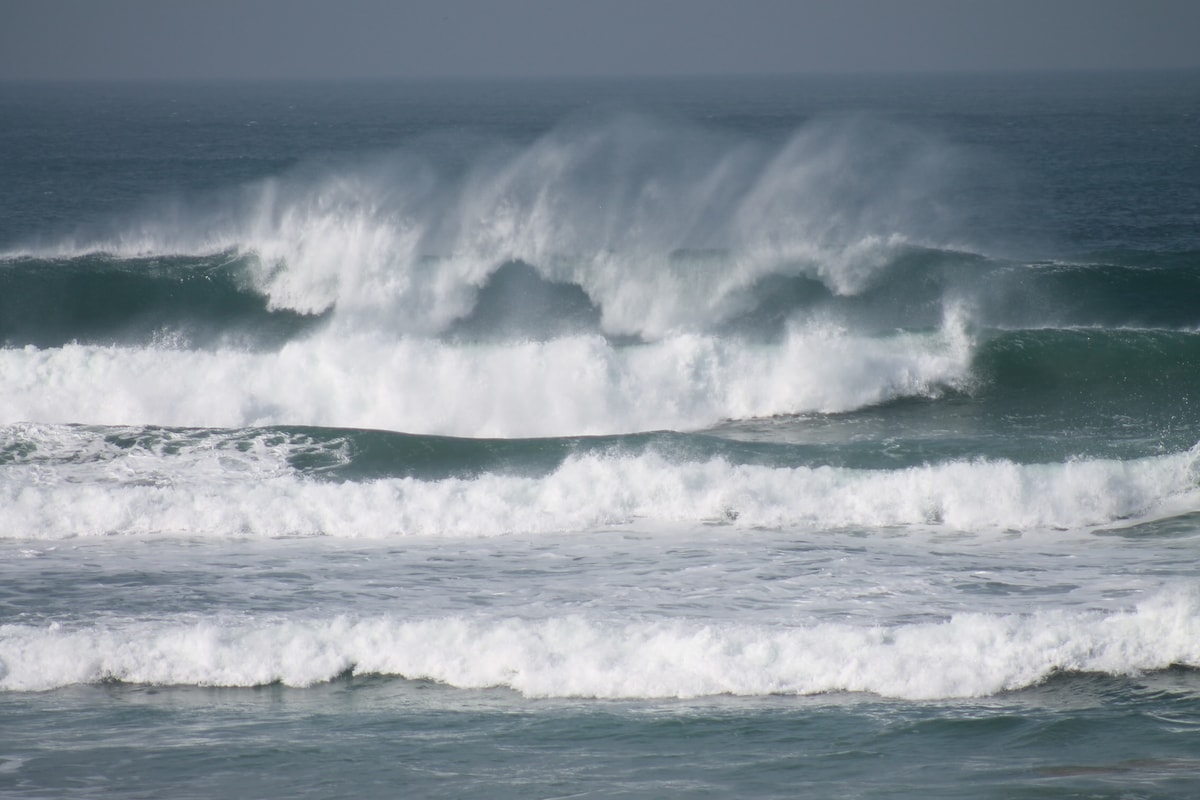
(968, 655)
(404, 242)
(571, 385)
(593, 491)
(140, 456)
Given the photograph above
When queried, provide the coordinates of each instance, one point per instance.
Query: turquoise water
(762, 438)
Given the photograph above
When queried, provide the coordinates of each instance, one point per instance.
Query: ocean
(825, 436)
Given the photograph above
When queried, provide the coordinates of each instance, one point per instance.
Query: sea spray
(603, 206)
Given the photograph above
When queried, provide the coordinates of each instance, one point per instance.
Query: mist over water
(665, 225)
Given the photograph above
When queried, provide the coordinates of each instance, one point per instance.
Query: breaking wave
(968, 655)
(664, 227)
(251, 486)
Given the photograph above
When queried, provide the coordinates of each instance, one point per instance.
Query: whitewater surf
(723, 436)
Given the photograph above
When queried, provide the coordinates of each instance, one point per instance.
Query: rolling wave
(65, 483)
(213, 300)
(968, 655)
(616, 275)
(665, 227)
(570, 385)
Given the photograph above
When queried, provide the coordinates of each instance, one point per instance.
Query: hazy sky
(68, 39)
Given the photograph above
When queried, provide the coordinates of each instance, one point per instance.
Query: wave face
(752, 396)
(96, 299)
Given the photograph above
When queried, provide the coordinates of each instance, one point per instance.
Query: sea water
(732, 438)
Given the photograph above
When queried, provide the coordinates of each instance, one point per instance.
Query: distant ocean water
(817, 437)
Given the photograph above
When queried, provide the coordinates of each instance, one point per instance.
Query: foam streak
(969, 655)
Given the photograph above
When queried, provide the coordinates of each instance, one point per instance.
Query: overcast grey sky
(168, 39)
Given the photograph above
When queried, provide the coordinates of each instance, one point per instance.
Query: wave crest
(569, 385)
(259, 494)
(666, 227)
(969, 655)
